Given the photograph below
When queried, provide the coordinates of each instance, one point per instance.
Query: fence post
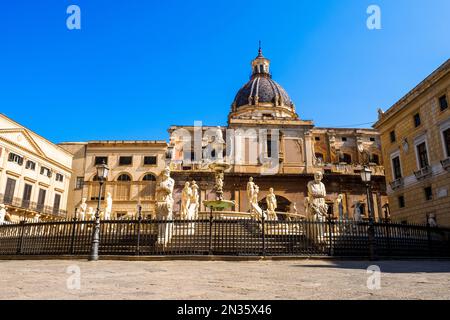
(72, 241)
(429, 239)
(371, 236)
(388, 238)
(22, 234)
(210, 251)
(263, 235)
(330, 236)
(138, 248)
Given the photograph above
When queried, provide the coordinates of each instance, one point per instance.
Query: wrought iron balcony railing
(31, 206)
(398, 183)
(423, 173)
(446, 164)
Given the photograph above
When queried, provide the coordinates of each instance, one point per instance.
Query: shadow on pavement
(417, 266)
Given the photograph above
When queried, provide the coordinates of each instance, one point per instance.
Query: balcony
(423, 173)
(446, 164)
(351, 169)
(396, 184)
(27, 205)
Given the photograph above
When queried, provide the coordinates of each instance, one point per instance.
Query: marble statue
(219, 136)
(293, 208)
(164, 206)
(90, 214)
(271, 201)
(340, 205)
(83, 207)
(432, 221)
(357, 212)
(186, 196)
(164, 196)
(316, 198)
(250, 191)
(108, 209)
(255, 195)
(195, 198)
(2, 213)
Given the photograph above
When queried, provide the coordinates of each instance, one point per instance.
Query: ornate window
(149, 177)
(124, 178)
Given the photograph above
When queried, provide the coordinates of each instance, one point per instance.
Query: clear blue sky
(137, 67)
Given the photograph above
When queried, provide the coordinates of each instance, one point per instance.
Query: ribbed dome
(261, 88)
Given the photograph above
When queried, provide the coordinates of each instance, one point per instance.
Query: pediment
(22, 139)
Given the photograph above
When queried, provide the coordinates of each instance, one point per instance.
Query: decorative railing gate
(226, 236)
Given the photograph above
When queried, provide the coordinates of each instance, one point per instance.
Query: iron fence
(216, 235)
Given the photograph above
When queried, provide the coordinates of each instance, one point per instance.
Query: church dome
(262, 96)
(261, 88)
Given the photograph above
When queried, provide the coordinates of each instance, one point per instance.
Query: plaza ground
(187, 279)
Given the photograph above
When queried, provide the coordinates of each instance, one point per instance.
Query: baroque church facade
(265, 139)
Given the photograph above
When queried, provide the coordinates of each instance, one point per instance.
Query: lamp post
(102, 175)
(139, 209)
(366, 176)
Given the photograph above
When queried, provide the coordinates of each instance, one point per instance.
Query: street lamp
(366, 176)
(102, 176)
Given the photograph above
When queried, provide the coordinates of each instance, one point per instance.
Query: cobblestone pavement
(183, 279)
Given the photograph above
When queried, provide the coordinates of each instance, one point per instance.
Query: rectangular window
(80, 183)
(101, 160)
(401, 201)
(41, 200)
(9, 191)
(417, 121)
(26, 195)
(374, 158)
(59, 177)
(443, 104)
(317, 138)
(30, 165)
(422, 155)
(151, 160)
(393, 137)
(46, 172)
(15, 158)
(428, 193)
(125, 161)
(396, 168)
(372, 139)
(446, 135)
(56, 204)
(344, 139)
(269, 147)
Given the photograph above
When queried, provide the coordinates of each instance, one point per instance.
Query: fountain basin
(218, 205)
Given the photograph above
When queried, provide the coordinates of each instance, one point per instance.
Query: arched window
(374, 158)
(124, 178)
(319, 156)
(149, 177)
(346, 158)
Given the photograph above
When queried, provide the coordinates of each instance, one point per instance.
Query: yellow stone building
(34, 174)
(415, 139)
(134, 167)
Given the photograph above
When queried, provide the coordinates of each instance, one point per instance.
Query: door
(26, 196)
(56, 204)
(41, 200)
(9, 191)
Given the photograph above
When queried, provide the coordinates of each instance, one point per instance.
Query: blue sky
(137, 67)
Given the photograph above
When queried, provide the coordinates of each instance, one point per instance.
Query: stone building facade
(267, 140)
(134, 167)
(34, 174)
(415, 136)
